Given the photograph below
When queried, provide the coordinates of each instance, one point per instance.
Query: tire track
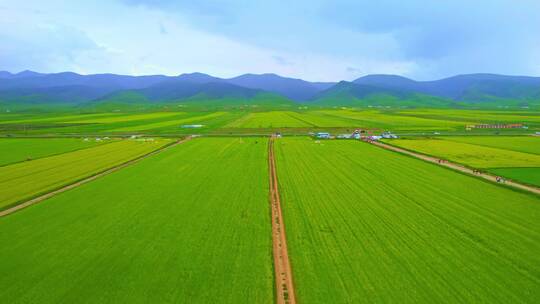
(76, 184)
(282, 267)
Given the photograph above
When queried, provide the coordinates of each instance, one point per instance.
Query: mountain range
(373, 90)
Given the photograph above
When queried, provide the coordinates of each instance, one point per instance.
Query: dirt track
(86, 180)
(457, 167)
(282, 268)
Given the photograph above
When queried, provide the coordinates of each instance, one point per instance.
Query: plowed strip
(86, 180)
(282, 267)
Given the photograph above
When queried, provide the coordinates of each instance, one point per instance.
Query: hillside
(354, 95)
(71, 89)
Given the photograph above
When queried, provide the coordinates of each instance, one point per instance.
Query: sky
(315, 40)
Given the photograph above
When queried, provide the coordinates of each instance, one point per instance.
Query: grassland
(24, 180)
(126, 118)
(526, 144)
(177, 123)
(24, 149)
(513, 157)
(188, 225)
(472, 155)
(392, 121)
(271, 119)
(530, 118)
(255, 120)
(524, 175)
(367, 225)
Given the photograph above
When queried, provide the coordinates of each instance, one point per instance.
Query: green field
(530, 118)
(255, 120)
(189, 225)
(369, 225)
(524, 175)
(476, 156)
(177, 123)
(271, 119)
(527, 144)
(22, 181)
(23, 149)
(393, 121)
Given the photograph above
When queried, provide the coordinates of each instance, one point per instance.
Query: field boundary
(457, 167)
(282, 267)
(85, 180)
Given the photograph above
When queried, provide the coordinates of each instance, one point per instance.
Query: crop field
(525, 175)
(230, 120)
(24, 149)
(513, 157)
(126, 118)
(188, 225)
(34, 118)
(388, 120)
(361, 230)
(154, 123)
(21, 181)
(472, 155)
(272, 119)
(526, 144)
(168, 123)
(477, 116)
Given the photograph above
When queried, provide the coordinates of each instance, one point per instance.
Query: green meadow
(25, 149)
(476, 156)
(513, 157)
(366, 225)
(526, 144)
(254, 120)
(22, 181)
(192, 223)
(188, 225)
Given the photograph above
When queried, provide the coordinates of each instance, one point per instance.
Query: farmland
(24, 180)
(195, 222)
(24, 149)
(513, 157)
(362, 230)
(258, 121)
(272, 119)
(524, 175)
(476, 156)
(151, 233)
(526, 144)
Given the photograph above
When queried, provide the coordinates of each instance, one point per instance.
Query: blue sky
(313, 40)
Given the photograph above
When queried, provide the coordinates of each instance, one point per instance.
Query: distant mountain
(295, 89)
(31, 80)
(177, 89)
(463, 90)
(475, 88)
(198, 78)
(353, 94)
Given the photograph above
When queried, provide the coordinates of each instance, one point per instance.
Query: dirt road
(282, 267)
(86, 180)
(457, 167)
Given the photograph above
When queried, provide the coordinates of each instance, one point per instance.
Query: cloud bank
(314, 40)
